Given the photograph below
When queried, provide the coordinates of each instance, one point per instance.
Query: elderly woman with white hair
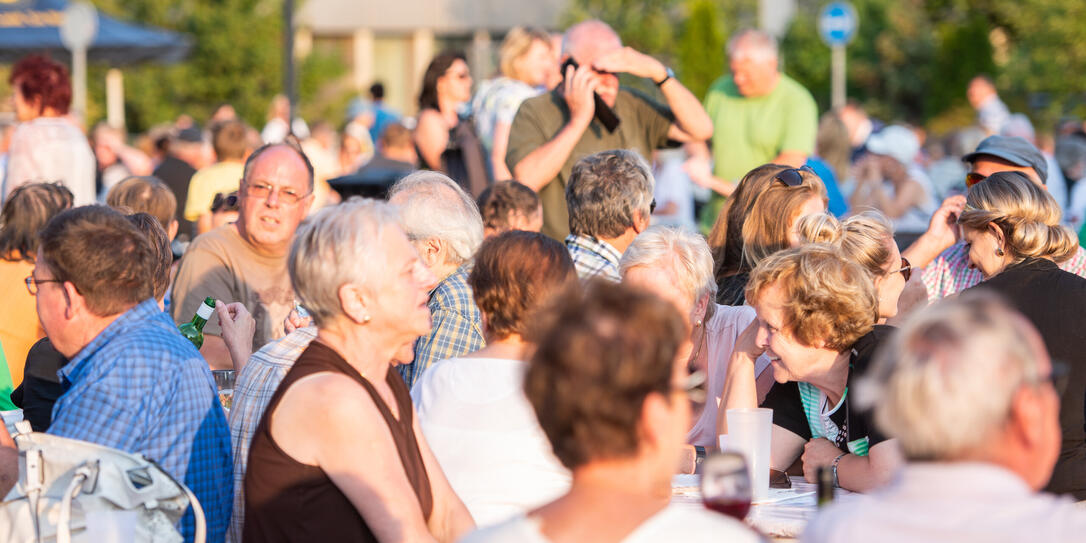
(678, 266)
(966, 388)
(338, 455)
(444, 225)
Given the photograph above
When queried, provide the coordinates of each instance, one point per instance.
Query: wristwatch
(670, 75)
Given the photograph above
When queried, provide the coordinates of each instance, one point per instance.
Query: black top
(176, 174)
(41, 386)
(787, 406)
(373, 179)
(1055, 302)
(286, 500)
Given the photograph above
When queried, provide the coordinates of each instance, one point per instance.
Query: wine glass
(725, 484)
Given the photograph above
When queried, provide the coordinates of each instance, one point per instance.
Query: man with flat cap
(950, 272)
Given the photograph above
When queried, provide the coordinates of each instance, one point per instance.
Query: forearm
(543, 164)
(497, 159)
(740, 389)
(217, 354)
(9, 468)
(690, 116)
(794, 159)
(453, 524)
(924, 250)
(859, 473)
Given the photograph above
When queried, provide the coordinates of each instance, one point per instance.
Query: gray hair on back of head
(605, 190)
(685, 255)
(433, 206)
(946, 380)
(338, 245)
(752, 43)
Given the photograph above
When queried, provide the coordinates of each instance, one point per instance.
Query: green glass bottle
(194, 330)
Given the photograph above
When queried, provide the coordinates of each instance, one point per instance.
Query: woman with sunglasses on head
(677, 266)
(751, 227)
(1012, 230)
(447, 141)
(816, 313)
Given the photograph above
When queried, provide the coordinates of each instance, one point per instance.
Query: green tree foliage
(700, 56)
(236, 57)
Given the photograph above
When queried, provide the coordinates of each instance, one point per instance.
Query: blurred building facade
(392, 41)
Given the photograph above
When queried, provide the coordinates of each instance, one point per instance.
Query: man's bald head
(584, 41)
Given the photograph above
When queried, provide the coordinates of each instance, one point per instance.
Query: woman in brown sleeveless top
(338, 455)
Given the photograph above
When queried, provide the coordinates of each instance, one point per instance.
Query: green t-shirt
(643, 129)
(749, 132)
(6, 386)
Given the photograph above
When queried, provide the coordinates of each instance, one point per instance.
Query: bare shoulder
(335, 396)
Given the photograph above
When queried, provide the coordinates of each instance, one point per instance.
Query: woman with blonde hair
(1012, 229)
(526, 61)
(751, 228)
(868, 240)
(816, 323)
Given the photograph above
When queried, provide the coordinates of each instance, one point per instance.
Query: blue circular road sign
(837, 23)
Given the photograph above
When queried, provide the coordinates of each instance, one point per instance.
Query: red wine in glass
(737, 509)
(725, 484)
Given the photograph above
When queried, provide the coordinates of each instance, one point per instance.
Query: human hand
(237, 327)
(943, 226)
(817, 453)
(577, 89)
(747, 342)
(687, 460)
(295, 321)
(699, 170)
(629, 60)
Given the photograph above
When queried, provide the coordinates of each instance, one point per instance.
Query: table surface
(782, 517)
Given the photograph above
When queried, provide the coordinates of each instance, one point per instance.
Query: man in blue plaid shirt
(444, 224)
(133, 382)
(609, 197)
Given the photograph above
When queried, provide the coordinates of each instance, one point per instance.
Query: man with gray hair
(610, 201)
(553, 131)
(444, 224)
(969, 392)
(759, 116)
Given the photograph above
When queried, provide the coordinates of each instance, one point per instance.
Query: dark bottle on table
(194, 329)
(825, 486)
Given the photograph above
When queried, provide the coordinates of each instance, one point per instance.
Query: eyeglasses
(32, 284)
(906, 270)
(652, 206)
(1057, 376)
(263, 190)
(793, 177)
(972, 178)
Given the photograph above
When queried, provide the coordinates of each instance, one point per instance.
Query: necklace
(691, 363)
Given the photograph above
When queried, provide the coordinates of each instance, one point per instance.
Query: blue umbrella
(28, 26)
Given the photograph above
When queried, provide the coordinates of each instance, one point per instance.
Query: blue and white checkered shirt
(253, 390)
(456, 326)
(593, 257)
(141, 387)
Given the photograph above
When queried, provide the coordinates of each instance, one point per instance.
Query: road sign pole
(79, 86)
(838, 77)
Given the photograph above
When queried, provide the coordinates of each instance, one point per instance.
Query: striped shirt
(950, 273)
(593, 257)
(256, 383)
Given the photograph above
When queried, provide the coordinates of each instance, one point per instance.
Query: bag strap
(64, 522)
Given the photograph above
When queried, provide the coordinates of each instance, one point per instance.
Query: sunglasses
(793, 177)
(906, 269)
(221, 202)
(972, 178)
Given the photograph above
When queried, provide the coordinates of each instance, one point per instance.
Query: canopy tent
(28, 26)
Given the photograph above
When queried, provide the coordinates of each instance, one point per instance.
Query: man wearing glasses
(940, 252)
(589, 112)
(246, 261)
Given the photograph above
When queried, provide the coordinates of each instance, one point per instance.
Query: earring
(697, 324)
(999, 251)
(365, 319)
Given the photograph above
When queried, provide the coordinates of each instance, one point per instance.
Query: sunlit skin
(268, 223)
(984, 246)
(889, 285)
(455, 84)
(987, 165)
(754, 75)
(536, 65)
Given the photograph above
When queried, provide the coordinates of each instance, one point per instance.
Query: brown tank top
(286, 500)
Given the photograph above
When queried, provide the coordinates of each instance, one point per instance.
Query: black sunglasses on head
(793, 177)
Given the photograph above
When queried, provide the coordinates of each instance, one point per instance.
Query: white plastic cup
(749, 433)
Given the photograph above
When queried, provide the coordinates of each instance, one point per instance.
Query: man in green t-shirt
(553, 131)
(759, 116)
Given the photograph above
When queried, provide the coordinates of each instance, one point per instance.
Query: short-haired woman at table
(677, 266)
(816, 317)
(1013, 231)
(472, 409)
(338, 454)
(608, 384)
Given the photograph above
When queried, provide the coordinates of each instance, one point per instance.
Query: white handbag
(74, 491)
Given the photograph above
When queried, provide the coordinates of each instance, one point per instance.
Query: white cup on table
(749, 433)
